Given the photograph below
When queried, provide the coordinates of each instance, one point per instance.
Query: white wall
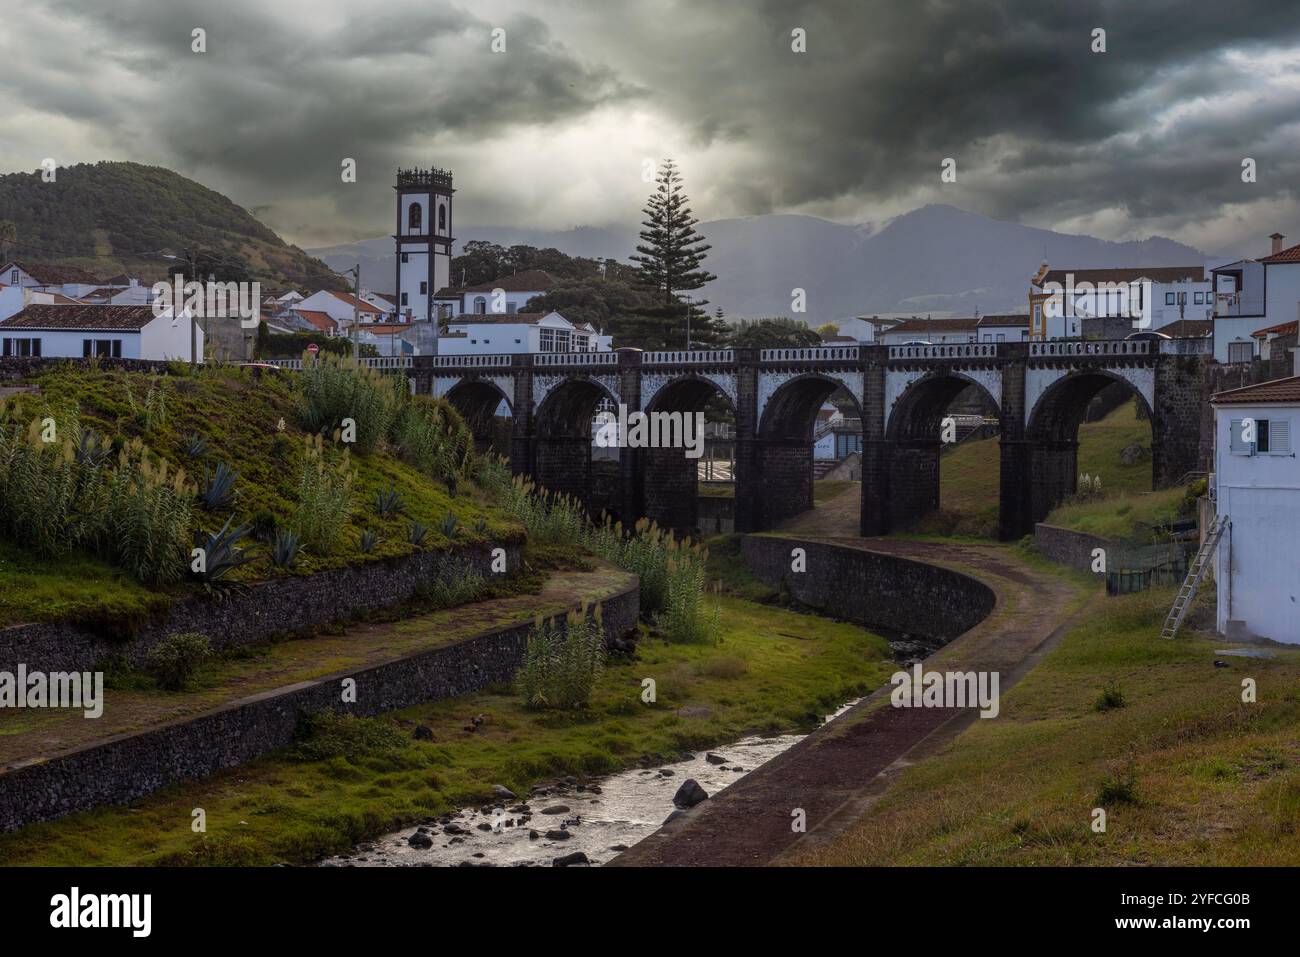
(164, 338)
(1260, 495)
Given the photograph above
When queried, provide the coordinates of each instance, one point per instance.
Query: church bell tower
(424, 241)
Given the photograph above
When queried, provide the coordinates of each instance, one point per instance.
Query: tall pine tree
(670, 258)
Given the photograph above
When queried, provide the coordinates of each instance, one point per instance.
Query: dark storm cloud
(1040, 126)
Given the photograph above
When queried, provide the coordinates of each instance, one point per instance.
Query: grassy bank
(773, 671)
(1130, 517)
(1187, 773)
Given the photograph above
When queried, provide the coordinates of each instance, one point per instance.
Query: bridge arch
(478, 400)
(1052, 430)
(561, 448)
(669, 478)
(783, 459)
(914, 431)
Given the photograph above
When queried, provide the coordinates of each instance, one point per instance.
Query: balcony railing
(811, 354)
(689, 357)
(958, 350)
(1090, 347)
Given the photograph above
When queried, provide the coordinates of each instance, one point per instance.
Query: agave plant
(195, 445)
(369, 539)
(218, 489)
(450, 525)
(388, 502)
(285, 549)
(416, 534)
(220, 555)
(480, 527)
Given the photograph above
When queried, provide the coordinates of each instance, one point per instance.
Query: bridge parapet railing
(373, 362)
(956, 350)
(1187, 347)
(1094, 347)
(575, 359)
(811, 354)
(688, 357)
(472, 362)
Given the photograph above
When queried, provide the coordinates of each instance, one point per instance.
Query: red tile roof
(497, 318)
(1281, 329)
(359, 304)
(57, 275)
(1005, 319)
(1289, 255)
(1279, 390)
(909, 326)
(81, 316)
(530, 280)
(1187, 328)
(320, 320)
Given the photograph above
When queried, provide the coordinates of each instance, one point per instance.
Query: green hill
(112, 218)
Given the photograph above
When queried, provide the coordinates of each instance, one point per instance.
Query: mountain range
(936, 260)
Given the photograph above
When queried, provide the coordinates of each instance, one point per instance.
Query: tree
(670, 258)
(8, 238)
(778, 332)
(828, 329)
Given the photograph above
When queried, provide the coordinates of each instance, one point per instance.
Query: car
(1147, 336)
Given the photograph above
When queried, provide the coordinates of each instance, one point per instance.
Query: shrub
(1117, 788)
(430, 434)
(284, 549)
(452, 591)
(218, 489)
(562, 665)
(369, 539)
(333, 388)
(324, 498)
(686, 616)
(177, 658)
(1111, 697)
(221, 556)
(145, 518)
(388, 502)
(264, 526)
(151, 412)
(450, 525)
(44, 491)
(195, 445)
(416, 534)
(326, 735)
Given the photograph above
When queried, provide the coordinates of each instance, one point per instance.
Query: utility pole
(355, 273)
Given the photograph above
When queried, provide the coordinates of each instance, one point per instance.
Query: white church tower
(423, 246)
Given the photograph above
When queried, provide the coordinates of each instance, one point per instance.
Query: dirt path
(835, 773)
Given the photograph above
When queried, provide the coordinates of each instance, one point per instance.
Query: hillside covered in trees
(112, 218)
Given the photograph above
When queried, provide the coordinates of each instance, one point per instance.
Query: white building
(341, 307)
(503, 295)
(1254, 294)
(1257, 488)
(517, 333)
(65, 280)
(118, 332)
(424, 240)
(1063, 303)
(938, 332)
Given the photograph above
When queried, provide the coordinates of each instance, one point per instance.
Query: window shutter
(1279, 435)
(1235, 445)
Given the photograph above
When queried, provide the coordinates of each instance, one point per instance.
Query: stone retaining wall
(279, 606)
(871, 588)
(1065, 546)
(130, 766)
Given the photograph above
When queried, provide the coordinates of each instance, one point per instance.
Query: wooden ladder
(1195, 573)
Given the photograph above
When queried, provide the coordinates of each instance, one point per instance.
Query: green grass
(241, 416)
(1187, 772)
(759, 678)
(970, 473)
(1128, 517)
(827, 489)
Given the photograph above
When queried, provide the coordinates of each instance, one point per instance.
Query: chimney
(1277, 243)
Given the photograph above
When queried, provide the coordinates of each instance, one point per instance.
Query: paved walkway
(835, 773)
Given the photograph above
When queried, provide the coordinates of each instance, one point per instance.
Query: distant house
(1254, 294)
(937, 332)
(1257, 490)
(342, 307)
(118, 332)
(1277, 343)
(66, 280)
(483, 299)
(519, 332)
(1110, 303)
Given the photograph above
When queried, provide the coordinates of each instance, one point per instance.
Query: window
(103, 348)
(424, 288)
(1272, 437)
(13, 278)
(415, 218)
(562, 340)
(404, 299)
(548, 340)
(406, 258)
(1198, 299)
(442, 218)
(21, 348)
(480, 305)
(512, 307)
(1240, 352)
(518, 342)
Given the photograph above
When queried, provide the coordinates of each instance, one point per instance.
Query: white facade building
(117, 332)
(424, 240)
(341, 307)
(1129, 299)
(519, 333)
(1257, 489)
(505, 295)
(1254, 294)
(939, 332)
(66, 280)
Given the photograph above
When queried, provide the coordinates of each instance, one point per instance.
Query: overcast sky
(1146, 138)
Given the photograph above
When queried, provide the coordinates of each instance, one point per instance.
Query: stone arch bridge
(1039, 389)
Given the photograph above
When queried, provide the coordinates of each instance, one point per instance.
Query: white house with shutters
(1256, 487)
(111, 332)
(492, 334)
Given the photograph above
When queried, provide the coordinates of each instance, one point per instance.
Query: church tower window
(415, 218)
